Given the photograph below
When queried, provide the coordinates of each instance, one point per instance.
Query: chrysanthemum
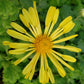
(43, 44)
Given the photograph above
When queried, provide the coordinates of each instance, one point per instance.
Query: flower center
(43, 44)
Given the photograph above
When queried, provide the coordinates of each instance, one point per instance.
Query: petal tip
(80, 50)
(11, 23)
(23, 9)
(5, 42)
(34, 2)
(8, 30)
(20, 15)
(72, 69)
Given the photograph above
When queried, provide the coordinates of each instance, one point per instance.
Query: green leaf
(8, 11)
(81, 61)
(1, 60)
(60, 80)
(43, 4)
(57, 3)
(26, 3)
(65, 11)
(11, 73)
(81, 34)
(6, 38)
(54, 2)
(81, 44)
(25, 81)
(75, 74)
(77, 26)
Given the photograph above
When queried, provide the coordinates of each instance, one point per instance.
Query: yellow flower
(42, 44)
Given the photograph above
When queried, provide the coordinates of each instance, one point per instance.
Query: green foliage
(80, 44)
(10, 10)
(77, 26)
(25, 81)
(11, 73)
(25, 3)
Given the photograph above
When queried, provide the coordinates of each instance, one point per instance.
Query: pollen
(43, 44)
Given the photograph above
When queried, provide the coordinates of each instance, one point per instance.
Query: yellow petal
(48, 71)
(31, 65)
(31, 74)
(68, 27)
(33, 70)
(65, 39)
(34, 22)
(30, 17)
(51, 27)
(46, 29)
(28, 67)
(6, 42)
(74, 49)
(26, 14)
(61, 27)
(35, 30)
(42, 61)
(17, 51)
(19, 45)
(33, 16)
(56, 34)
(41, 75)
(17, 35)
(65, 21)
(42, 71)
(46, 76)
(20, 60)
(24, 20)
(37, 17)
(67, 65)
(18, 27)
(51, 75)
(60, 31)
(50, 15)
(66, 57)
(60, 69)
(70, 48)
(46, 63)
(56, 14)
(49, 18)
(55, 18)
(34, 4)
(27, 75)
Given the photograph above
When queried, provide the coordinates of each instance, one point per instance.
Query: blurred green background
(10, 10)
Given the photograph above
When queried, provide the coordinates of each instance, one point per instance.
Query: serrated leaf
(11, 73)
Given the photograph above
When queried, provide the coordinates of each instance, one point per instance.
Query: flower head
(43, 44)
